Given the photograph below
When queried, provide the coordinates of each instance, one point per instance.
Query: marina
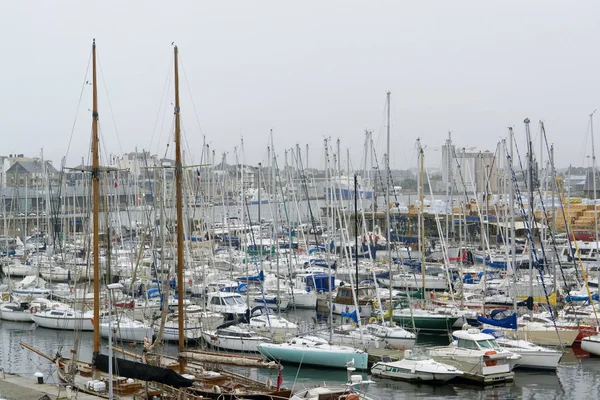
(328, 203)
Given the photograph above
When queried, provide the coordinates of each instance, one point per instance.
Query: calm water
(578, 377)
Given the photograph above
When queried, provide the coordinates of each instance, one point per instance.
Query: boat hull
(69, 324)
(16, 316)
(127, 333)
(591, 344)
(310, 356)
(248, 345)
(423, 323)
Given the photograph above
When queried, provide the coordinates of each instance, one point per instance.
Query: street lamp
(111, 287)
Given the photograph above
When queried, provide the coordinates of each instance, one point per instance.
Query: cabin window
(56, 313)
(488, 344)
(216, 300)
(467, 344)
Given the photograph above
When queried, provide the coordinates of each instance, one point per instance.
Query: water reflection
(576, 378)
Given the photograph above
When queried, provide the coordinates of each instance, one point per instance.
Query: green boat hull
(426, 324)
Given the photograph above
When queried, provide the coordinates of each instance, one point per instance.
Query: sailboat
(85, 375)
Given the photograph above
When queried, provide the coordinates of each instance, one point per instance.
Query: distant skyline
(307, 70)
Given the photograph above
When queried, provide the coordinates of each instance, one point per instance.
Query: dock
(376, 354)
(16, 387)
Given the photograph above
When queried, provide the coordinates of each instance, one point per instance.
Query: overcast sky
(309, 70)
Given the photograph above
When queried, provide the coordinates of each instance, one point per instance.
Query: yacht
(415, 368)
(478, 355)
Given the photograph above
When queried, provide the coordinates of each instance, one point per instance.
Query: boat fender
(72, 289)
(491, 363)
(431, 295)
(216, 389)
(536, 308)
(353, 397)
(33, 310)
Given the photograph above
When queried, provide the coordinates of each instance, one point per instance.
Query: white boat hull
(69, 324)
(126, 333)
(237, 344)
(16, 316)
(591, 344)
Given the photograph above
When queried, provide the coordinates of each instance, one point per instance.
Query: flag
(279, 378)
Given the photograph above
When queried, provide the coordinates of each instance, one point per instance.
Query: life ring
(33, 310)
(491, 363)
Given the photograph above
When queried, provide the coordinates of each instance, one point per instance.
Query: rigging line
(166, 86)
(305, 189)
(562, 208)
(112, 115)
(532, 249)
(85, 81)
(190, 92)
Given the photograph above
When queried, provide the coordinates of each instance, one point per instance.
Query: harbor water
(578, 376)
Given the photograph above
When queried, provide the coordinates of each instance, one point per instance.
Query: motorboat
(478, 355)
(231, 304)
(235, 337)
(393, 336)
(312, 350)
(532, 355)
(415, 368)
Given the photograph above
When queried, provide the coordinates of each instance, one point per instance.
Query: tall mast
(421, 218)
(388, 235)
(594, 180)
(530, 213)
(179, 199)
(96, 205)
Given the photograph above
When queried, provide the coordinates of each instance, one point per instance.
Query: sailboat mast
(179, 200)
(387, 224)
(96, 204)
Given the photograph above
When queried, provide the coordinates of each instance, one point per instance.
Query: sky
(307, 70)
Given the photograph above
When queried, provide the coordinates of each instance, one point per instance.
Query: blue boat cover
(509, 322)
(352, 315)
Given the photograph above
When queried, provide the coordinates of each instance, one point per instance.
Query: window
(216, 300)
(467, 344)
(488, 344)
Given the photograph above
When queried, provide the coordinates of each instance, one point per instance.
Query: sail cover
(509, 322)
(144, 372)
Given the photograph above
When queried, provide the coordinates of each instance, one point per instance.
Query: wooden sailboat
(91, 376)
